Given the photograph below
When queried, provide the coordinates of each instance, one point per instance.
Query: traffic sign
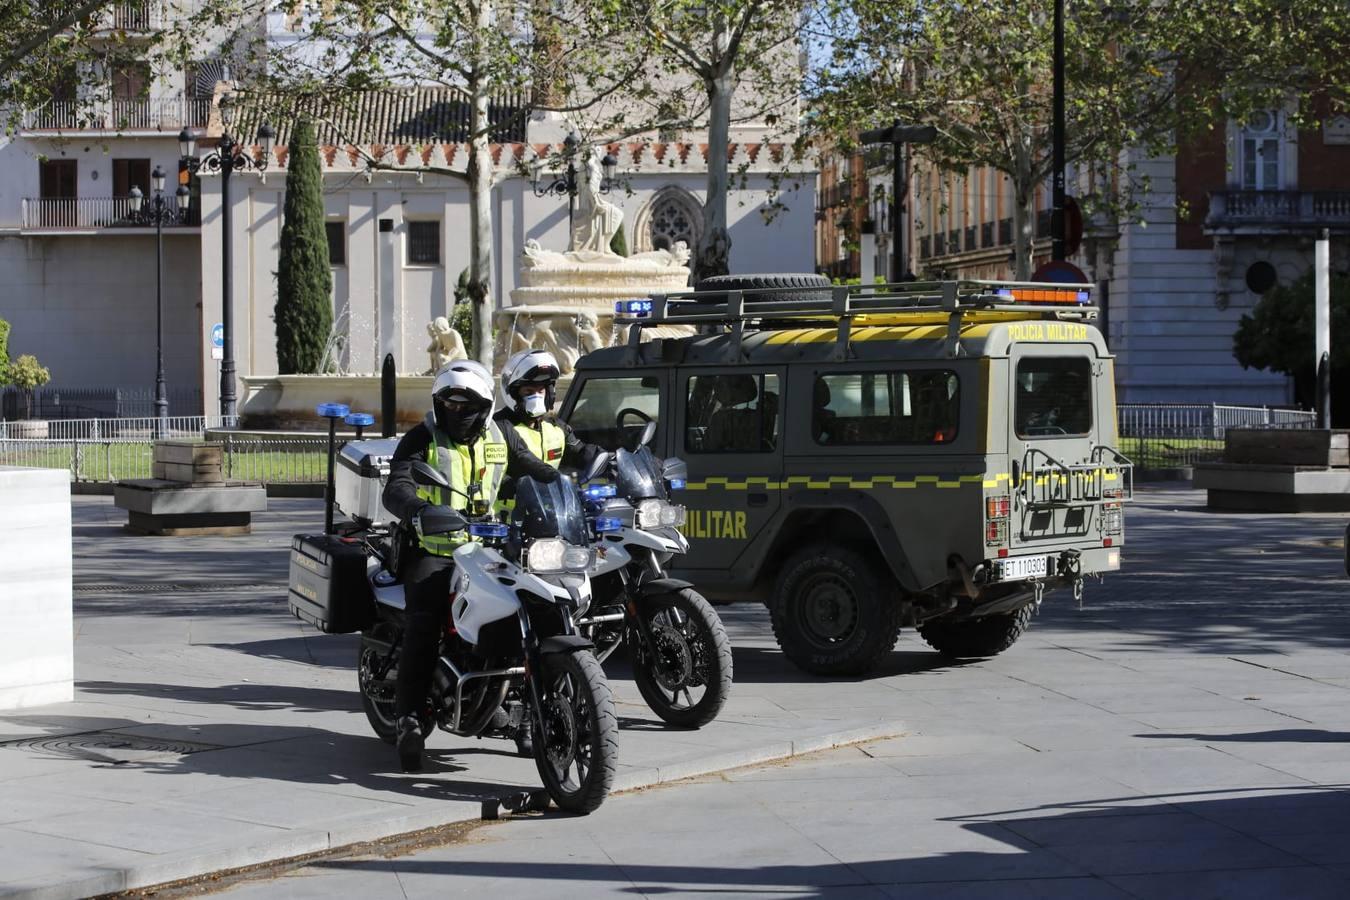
(218, 335)
(1060, 271)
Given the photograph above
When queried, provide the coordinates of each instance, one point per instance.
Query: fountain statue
(446, 344)
(565, 303)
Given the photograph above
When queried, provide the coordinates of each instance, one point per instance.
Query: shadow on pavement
(1174, 845)
(1278, 736)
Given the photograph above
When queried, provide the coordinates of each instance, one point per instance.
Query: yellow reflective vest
(548, 442)
(475, 473)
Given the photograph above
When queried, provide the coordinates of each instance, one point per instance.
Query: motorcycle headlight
(554, 555)
(649, 514)
(672, 515)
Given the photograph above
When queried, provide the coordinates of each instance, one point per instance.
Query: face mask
(534, 405)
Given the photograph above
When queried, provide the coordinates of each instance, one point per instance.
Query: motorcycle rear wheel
(377, 696)
(577, 752)
(692, 651)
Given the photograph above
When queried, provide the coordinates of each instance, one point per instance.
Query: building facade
(83, 277)
(1225, 220)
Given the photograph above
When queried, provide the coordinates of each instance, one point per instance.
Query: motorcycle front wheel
(577, 753)
(685, 677)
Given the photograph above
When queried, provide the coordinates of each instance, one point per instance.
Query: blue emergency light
(606, 523)
(633, 307)
(1044, 295)
(333, 410)
(493, 530)
(675, 484)
(359, 420)
(600, 491)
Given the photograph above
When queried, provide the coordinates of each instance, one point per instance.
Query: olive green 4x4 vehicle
(936, 455)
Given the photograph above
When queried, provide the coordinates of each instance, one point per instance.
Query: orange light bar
(1044, 295)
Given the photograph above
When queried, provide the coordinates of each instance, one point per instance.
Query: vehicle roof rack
(759, 308)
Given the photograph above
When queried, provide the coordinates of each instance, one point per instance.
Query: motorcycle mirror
(427, 476)
(599, 463)
(674, 467)
(648, 432)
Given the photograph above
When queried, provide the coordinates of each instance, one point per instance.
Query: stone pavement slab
(1183, 735)
(210, 729)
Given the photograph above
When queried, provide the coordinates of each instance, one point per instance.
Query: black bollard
(332, 412)
(388, 409)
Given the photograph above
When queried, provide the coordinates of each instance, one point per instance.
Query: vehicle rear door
(729, 430)
(1054, 426)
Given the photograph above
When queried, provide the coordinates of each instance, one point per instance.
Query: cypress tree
(304, 310)
(618, 243)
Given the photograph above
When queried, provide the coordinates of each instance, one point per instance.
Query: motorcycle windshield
(550, 510)
(639, 476)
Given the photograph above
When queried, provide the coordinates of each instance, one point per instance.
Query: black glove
(547, 477)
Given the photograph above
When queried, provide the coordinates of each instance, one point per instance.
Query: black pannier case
(328, 586)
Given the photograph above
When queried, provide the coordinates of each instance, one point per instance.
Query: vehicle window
(595, 417)
(920, 406)
(732, 413)
(1054, 397)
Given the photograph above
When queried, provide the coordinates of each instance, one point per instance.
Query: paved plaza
(1184, 734)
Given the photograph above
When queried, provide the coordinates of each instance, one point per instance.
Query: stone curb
(159, 870)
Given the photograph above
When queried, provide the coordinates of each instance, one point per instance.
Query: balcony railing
(148, 114)
(136, 16)
(86, 213)
(1272, 212)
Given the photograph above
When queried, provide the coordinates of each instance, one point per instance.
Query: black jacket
(400, 491)
(576, 452)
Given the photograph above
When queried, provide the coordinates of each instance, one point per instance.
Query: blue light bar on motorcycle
(636, 308)
(359, 420)
(600, 491)
(333, 410)
(606, 523)
(493, 530)
(675, 484)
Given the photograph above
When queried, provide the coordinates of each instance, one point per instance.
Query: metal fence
(1178, 435)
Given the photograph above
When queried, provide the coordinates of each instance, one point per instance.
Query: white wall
(38, 665)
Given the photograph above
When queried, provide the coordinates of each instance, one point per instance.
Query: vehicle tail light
(997, 507)
(996, 532)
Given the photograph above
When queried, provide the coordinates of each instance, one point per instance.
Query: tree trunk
(1024, 232)
(714, 246)
(479, 172)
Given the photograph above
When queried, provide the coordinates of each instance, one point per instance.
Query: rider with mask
(529, 385)
(460, 439)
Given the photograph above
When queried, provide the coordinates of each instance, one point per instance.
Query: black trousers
(426, 581)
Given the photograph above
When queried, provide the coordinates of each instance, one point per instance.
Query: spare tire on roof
(809, 287)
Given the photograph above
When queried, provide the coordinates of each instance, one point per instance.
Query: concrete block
(1289, 447)
(156, 497)
(196, 453)
(189, 473)
(39, 666)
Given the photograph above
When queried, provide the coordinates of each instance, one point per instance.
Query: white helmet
(463, 381)
(528, 367)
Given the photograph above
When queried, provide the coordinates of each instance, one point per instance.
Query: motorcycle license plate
(1022, 567)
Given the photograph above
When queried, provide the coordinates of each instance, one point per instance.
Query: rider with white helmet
(527, 392)
(460, 439)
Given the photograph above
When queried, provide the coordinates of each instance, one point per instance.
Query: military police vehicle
(934, 455)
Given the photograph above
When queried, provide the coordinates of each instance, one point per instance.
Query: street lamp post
(898, 136)
(159, 213)
(565, 182)
(228, 158)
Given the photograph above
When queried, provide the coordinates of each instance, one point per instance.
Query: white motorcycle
(679, 649)
(510, 642)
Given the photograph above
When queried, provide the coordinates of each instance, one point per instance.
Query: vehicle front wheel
(834, 612)
(686, 677)
(577, 752)
(973, 638)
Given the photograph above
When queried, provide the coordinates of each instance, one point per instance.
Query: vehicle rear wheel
(987, 636)
(377, 693)
(834, 612)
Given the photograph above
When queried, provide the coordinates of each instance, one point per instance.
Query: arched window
(671, 216)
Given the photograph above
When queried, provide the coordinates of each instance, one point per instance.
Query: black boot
(410, 743)
(525, 736)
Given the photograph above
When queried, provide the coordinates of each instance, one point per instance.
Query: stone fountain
(565, 303)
